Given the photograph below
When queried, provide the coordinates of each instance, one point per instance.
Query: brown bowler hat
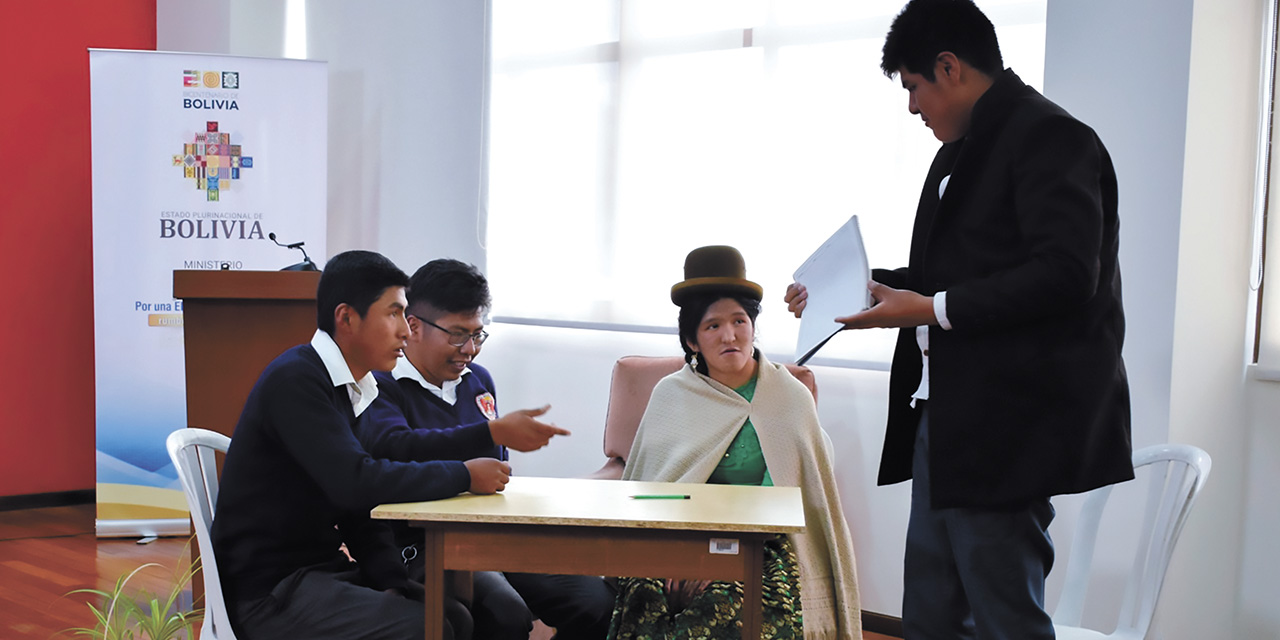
(715, 268)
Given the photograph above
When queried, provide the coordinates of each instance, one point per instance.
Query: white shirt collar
(363, 392)
(448, 392)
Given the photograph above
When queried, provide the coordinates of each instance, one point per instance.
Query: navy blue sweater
(409, 423)
(297, 484)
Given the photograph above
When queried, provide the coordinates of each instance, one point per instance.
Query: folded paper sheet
(836, 277)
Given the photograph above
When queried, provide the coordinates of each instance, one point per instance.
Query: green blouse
(744, 462)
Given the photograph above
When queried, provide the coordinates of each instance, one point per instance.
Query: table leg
(752, 600)
(433, 556)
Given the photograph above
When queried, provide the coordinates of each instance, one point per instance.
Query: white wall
(1212, 315)
(406, 83)
(200, 27)
(234, 27)
(1167, 84)
(1257, 615)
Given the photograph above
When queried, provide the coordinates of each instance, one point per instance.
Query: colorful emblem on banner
(209, 158)
(488, 406)
(219, 90)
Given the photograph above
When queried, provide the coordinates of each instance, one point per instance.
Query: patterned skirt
(642, 610)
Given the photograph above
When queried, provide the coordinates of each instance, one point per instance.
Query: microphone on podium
(305, 265)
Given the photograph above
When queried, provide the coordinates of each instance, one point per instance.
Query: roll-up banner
(197, 159)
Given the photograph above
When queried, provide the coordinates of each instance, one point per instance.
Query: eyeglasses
(458, 338)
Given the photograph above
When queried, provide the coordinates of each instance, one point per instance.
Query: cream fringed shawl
(689, 424)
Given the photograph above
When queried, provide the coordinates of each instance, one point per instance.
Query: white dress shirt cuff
(940, 309)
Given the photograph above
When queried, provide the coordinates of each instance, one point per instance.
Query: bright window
(624, 134)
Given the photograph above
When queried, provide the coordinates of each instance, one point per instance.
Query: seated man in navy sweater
(297, 484)
(439, 405)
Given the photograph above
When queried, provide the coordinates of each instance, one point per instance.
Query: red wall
(46, 262)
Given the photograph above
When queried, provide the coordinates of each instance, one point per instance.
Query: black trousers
(974, 574)
(324, 604)
(579, 607)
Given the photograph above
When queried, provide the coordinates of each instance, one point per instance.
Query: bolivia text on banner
(196, 159)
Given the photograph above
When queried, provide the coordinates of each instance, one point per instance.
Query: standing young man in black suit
(1007, 385)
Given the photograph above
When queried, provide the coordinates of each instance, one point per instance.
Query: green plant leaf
(124, 614)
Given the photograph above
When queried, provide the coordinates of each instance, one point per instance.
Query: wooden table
(595, 527)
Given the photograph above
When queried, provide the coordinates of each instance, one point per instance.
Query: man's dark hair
(691, 312)
(448, 286)
(356, 278)
(926, 28)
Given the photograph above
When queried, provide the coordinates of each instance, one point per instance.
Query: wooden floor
(46, 553)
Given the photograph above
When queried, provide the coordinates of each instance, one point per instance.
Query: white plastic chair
(192, 452)
(1178, 472)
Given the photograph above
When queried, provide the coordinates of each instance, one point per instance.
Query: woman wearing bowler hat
(732, 417)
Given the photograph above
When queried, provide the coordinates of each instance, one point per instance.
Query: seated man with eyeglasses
(438, 404)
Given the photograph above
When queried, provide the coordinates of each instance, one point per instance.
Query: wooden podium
(234, 324)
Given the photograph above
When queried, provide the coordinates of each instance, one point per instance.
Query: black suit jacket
(1028, 392)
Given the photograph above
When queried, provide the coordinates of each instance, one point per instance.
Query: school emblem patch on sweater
(488, 406)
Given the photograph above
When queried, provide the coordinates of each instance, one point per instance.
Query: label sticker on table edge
(724, 546)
